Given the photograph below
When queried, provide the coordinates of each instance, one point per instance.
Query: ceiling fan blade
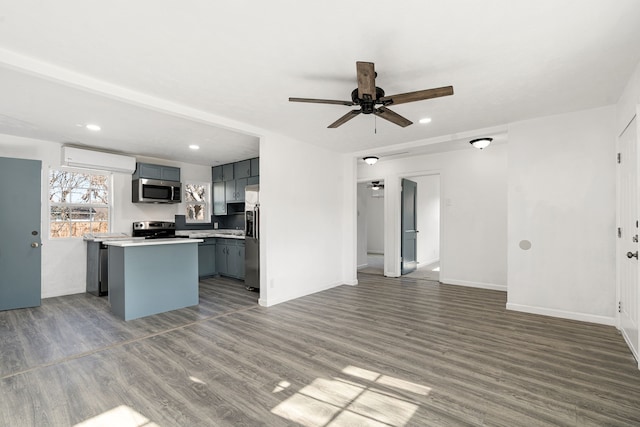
(366, 80)
(417, 95)
(322, 101)
(344, 119)
(393, 117)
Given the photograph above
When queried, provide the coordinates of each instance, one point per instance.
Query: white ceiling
(160, 75)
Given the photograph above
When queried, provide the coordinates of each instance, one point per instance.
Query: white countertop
(201, 234)
(107, 237)
(150, 242)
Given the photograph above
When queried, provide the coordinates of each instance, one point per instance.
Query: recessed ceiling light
(425, 120)
(92, 127)
(194, 147)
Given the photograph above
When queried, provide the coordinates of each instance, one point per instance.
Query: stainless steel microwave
(155, 191)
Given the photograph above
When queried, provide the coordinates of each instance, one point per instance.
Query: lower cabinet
(207, 258)
(230, 257)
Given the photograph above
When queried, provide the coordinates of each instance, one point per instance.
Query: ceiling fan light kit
(370, 160)
(481, 142)
(372, 99)
(375, 185)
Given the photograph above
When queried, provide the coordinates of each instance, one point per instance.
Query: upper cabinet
(223, 173)
(150, 171)
(229, 181)
(255, 166)
(242, 169)
(219, 199)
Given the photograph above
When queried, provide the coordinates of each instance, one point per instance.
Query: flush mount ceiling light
(481, 142)
(92, 127)
(194, 147)
(370, 160)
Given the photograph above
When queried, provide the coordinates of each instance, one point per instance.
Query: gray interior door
(408, 227)
(20, 230)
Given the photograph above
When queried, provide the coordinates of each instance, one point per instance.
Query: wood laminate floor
(388, 352)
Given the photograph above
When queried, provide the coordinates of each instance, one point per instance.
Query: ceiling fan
(375, 185)
(372, 99)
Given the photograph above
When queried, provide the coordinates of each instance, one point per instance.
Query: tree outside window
(197, 202)
(78, 203)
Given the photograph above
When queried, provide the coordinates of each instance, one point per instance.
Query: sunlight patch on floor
(196, 380)
(362, 397)
(121, 416)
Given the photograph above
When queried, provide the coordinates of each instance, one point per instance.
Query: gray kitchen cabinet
(255, 166)
(230, 258)
(160, 172)
(97, 274)
(216, 174)
(222, 173)
(242, 169)
(229, 182)
(219, 199)
(234, 190)
(227, 172)
(221, 257)
(207, 258)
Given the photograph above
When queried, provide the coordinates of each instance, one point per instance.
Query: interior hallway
(375, 266)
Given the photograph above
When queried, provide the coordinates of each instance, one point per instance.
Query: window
(196, 197)
(78, 203)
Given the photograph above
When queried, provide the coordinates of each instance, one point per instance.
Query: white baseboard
(269, 302)
(427, 262)
(629, 344)
(481, 285)
(582, 317)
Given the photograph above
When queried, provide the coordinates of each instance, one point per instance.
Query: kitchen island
(152, 276)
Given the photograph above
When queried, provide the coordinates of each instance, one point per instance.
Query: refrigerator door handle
(256, 223)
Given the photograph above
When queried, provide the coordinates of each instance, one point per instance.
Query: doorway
(371, 226)
(627, 242)
(20, 256)
(427, 227)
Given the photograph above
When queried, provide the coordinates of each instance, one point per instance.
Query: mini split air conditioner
(98, 160)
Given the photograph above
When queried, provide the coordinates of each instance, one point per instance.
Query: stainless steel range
(154, 229)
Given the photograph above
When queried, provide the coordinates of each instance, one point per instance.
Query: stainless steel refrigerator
(252, 237)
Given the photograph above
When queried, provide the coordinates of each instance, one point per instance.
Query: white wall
(308, 206)
(562, 199)
(375, 223)
(630, 99)
(473, 214)
(64, 260)
(428, 219)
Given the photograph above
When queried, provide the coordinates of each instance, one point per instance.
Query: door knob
(35, 244)
(632, 255)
